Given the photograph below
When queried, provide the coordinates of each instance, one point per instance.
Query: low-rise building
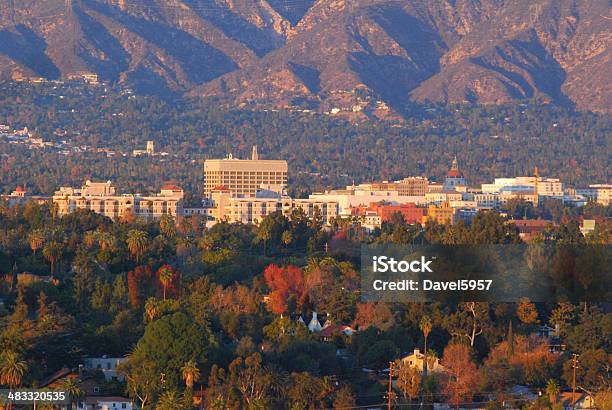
(530, 228)
(416, 359)
(600, 193)
(107, 365)
(409, 211)
(529, 188)
(441, 214)
(226, 206)
(20, 196)
(577, 400)
(106, 403)
(101, 198)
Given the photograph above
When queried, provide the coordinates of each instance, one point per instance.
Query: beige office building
(243, 177)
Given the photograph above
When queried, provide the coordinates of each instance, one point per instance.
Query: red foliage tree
(285, 283)
(140, 285)
(374, 314)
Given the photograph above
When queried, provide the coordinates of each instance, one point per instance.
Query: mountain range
(358, 57)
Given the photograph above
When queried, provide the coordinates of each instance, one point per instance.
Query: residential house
(106, 403)
(571, 401)
(417, 359)
(107, 365)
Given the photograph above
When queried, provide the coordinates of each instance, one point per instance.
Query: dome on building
(454, 171)
(454, 177)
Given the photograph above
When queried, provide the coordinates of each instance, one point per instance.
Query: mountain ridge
(358, 58)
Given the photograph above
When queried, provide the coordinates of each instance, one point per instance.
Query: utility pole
(390, 385)
(574, 366)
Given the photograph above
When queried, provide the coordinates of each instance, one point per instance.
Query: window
(123, 405)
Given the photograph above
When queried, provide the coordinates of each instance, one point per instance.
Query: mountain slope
(356, 56)
(164, 45)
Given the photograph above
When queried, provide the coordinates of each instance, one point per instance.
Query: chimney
(417, 352)
(254, 155)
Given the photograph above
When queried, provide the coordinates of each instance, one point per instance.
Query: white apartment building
(440, 197)
(101, 198)
(599, 193)
(486, 200)
(226, 206)
(347, 199)
(551, 187)
(107, 365)
(106, 403)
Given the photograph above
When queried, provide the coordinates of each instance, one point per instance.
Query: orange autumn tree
(287, 286)
(140, 285)
(462, 374)
(531, 358)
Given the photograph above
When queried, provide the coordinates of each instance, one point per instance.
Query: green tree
(171, 341)
(12, 369)
(287, 238)
(72, 386)
(167, 226)
(137, 243)
(166, 274)
(36, 239)
(252, 380)
(190, 373)
(552, 390)
(52, 252)
(142, 378)
(171, 400)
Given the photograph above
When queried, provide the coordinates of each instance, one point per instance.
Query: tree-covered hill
(322, 150)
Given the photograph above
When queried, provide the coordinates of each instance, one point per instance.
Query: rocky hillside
(344, 56)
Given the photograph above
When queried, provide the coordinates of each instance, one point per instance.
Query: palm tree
(425, 326)
(36, 239)
(552, 390)
(89, 238)
(71, 386)
(190, 373)
(287, 238)
(106, 240)
(137, 243)
(52, 252)
(170, 400)
(151, 308)
(167, 226)
(165, 277)
(12, 369)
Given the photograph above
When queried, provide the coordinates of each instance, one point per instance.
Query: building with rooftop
(226, 206)
(102, 198)
(600, 193)
(454, 177)
(243, 177)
